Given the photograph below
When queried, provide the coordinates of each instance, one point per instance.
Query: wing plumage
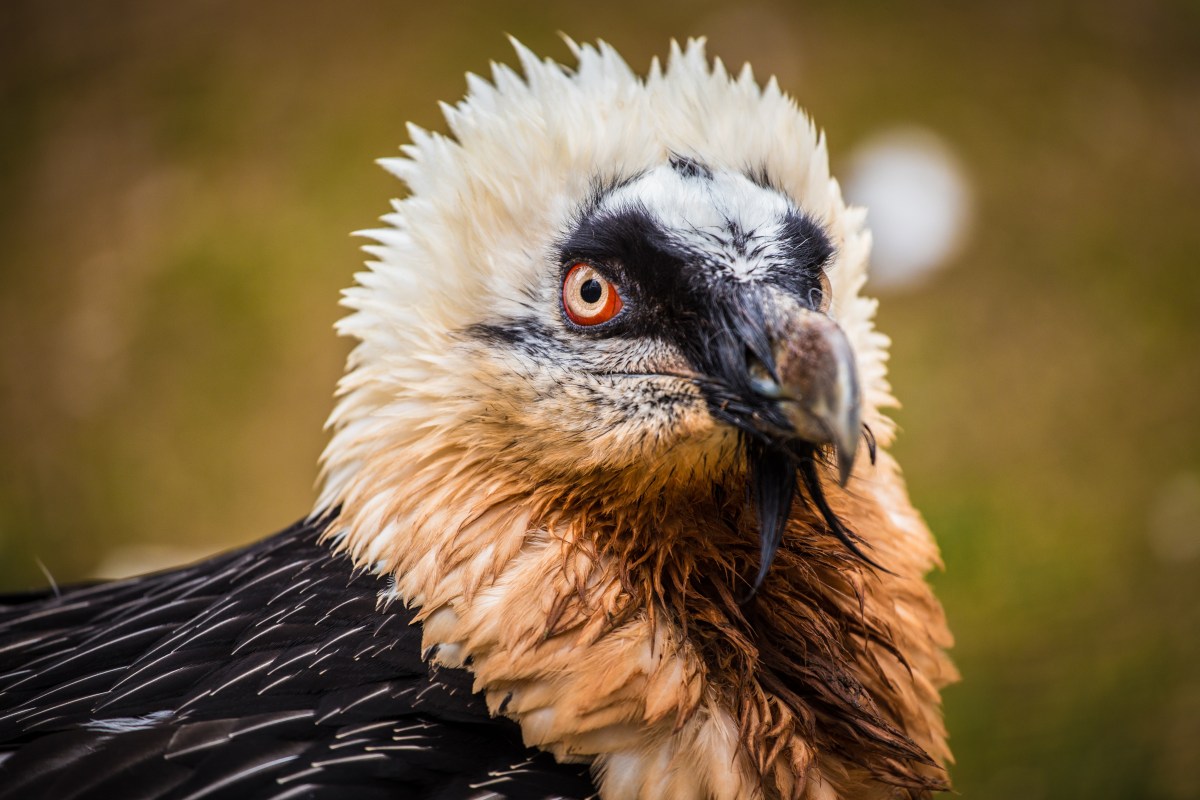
(272, 672)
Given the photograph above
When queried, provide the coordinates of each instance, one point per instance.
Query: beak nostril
(762, 381)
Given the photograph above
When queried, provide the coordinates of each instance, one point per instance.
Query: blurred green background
(176, 185)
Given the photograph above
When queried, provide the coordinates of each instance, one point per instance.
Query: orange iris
(588, 297)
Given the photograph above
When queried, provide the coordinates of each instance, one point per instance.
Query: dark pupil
(591, 290)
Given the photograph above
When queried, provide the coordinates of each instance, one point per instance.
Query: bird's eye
(588, 297)
(818, 296)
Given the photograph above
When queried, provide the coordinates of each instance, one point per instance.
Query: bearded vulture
(607, 509)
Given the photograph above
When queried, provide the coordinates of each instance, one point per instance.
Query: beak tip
(845, 459)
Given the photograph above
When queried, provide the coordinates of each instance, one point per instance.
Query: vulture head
(613, 424)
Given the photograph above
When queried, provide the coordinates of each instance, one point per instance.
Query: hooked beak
(813, 392)
(786, 378)
(815, 385)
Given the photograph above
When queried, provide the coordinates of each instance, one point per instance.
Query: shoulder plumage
(272, 672)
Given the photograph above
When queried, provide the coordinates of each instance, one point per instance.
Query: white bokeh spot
(918, 203)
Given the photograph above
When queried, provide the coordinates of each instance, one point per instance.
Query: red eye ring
(588, 297)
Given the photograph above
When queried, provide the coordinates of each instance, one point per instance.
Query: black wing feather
(271, 672)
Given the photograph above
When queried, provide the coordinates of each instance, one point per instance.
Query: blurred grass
(176, 181)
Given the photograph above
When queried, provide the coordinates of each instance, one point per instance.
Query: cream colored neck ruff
(492, 585)
(556, 643)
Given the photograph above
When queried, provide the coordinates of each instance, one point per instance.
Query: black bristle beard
(772, 490)
(772, 483)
